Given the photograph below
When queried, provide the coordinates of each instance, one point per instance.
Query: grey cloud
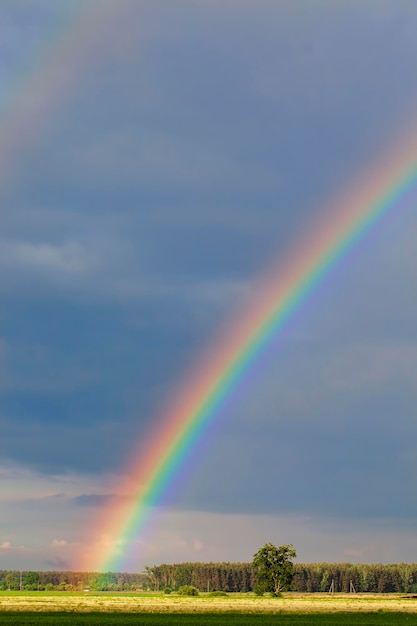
(43, 503)
(57, 563)
(92, 500)
(69, 258)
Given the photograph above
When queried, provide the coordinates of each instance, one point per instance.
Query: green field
(55, 608)
(209, 619)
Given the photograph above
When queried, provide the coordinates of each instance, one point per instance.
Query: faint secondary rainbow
(187, 416)
(52, 71)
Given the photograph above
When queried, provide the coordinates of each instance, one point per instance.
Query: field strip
(172, 604)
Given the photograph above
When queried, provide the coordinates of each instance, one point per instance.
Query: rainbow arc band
(187, 416)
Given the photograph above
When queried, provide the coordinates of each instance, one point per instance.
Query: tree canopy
(274, 568)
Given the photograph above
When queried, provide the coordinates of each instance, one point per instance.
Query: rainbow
(187, 416)
(61, 58)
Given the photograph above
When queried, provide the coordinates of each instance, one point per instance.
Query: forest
(310, 577)
(228, 577)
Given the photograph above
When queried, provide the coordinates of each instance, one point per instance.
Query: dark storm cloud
(200, 143)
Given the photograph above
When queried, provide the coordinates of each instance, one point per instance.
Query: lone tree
(274, 568)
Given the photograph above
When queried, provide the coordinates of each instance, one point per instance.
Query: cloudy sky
(157, 156)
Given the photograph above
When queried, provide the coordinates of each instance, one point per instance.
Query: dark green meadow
(18, 618)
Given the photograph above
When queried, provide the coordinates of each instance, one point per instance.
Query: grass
(208, 619)
(56, 608)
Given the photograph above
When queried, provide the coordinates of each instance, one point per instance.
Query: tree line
(228, 577)
(375, 578)
(307, 577)
(232, 577)
(71, 581)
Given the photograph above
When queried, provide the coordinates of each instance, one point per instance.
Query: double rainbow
(187, 416)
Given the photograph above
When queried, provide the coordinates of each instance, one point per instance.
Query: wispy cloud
(68, 258)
